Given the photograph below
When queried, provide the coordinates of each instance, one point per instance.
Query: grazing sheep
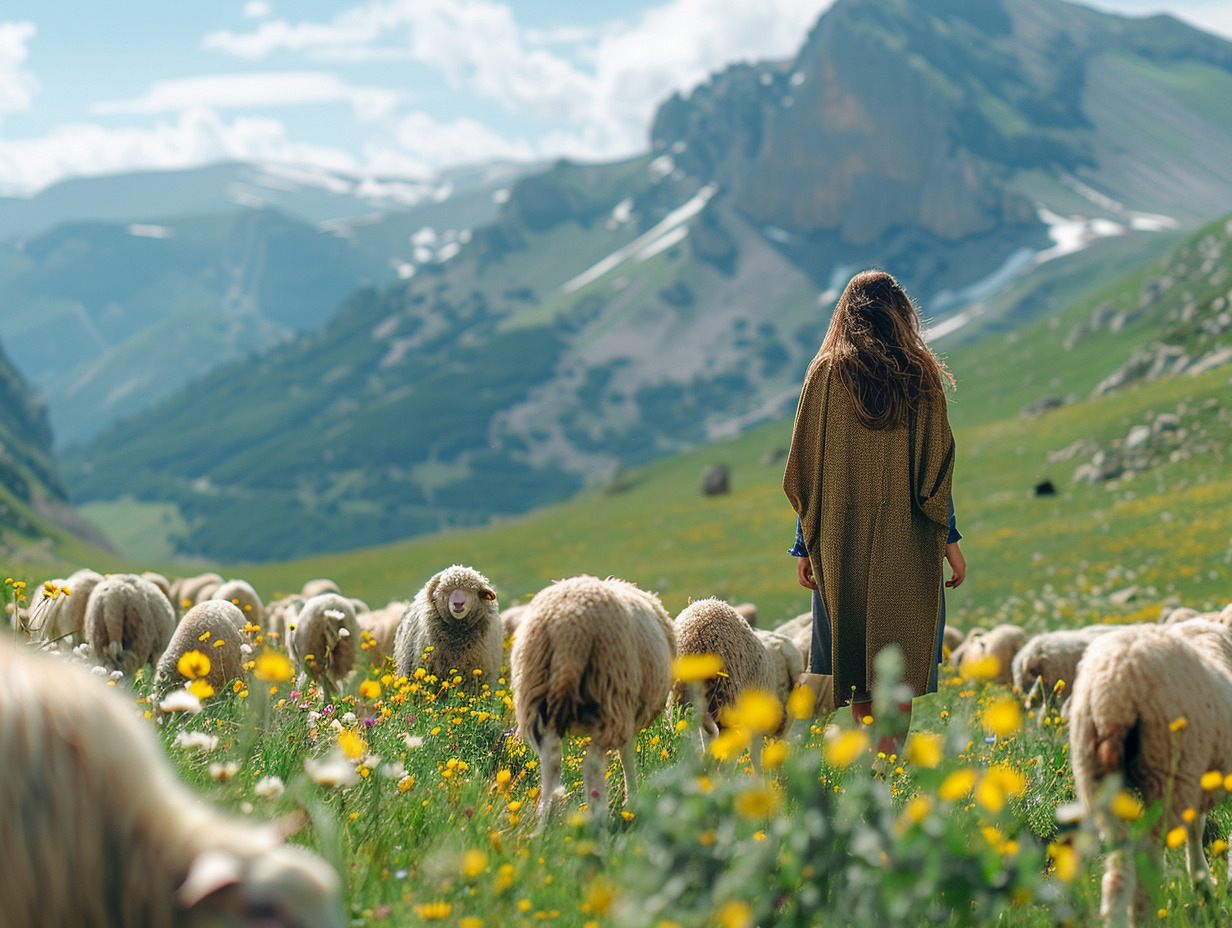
(187, 591)
(209, 627)
(800, 631)
(1051, 658)
(787, 660)
(456, 615)
(951, 638)
(240, 593)
(66, 613)
(128, 622)
(711, 626)
(591, 657)
(323, 639)
(98, 830)
(377, 630)
(318, 586)
(1133, 685)
(1001, 642)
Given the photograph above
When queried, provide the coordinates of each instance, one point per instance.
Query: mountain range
(613, 313)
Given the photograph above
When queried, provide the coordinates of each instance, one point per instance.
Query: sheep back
(215, 619)
(475, 642)
(186, 591)
(66, 614)
(381, 625)
(711, 626)
(592, 656)
(128, 622)
(785, 658)
(317, 643)
(242, 595)
(318, 586)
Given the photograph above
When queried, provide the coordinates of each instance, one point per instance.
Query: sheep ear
(210, 872)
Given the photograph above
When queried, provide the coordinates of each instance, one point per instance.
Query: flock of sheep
(589, 656)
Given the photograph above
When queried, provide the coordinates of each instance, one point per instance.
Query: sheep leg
(549, 751)
(628, 766)
(1117, 889)
(593, 765)
(1195, 857)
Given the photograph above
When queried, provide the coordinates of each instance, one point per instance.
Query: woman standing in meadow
(869, 475)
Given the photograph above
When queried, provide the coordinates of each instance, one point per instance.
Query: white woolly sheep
(456, 615)
(1132, 686)
(318, 586)
(1001, 642)
(186, 592)
(242, 595)
(163, 584)
(800, 631)
(591, 657)
(1051, 658)
(323, 640)
(99, 831)
(65, 614)
(377, 630)
(209, 627)
(711, 626)
(128, 622)
(951, 638)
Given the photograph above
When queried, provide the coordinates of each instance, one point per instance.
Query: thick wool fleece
(208, 627)
(592, 656)
(460, 644)
(128, 622)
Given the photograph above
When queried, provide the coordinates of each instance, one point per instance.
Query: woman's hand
(804, 573)
(958, 565)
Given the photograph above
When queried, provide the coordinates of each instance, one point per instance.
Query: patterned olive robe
(874, 507)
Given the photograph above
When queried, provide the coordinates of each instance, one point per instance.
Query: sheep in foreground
(242, 595)
(1051, 658)
(377, 629)
(1132, 687)
(209, 627)
(711, 626)
(128, 622)
(1001, 642)
(591, 657)
(99, 831)
(456, 615)
(64, 615)
(323, 639)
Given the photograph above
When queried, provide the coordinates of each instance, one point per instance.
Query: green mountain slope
(672, 300)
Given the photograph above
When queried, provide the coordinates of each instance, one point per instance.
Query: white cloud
(17, 85)
(197, 137)
(229, 91)
(607, 100)
(463, 141)
(256, 9)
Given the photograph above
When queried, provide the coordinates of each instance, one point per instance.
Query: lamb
(456, 615)
(188, 591)
(591, 657)
(323, 638)
(241, 594)
(377, 630)
(1132, 687)
(1001, 642)
(128, 622)
(99, 831)
(212, 628)
(711, 626)
(65, 614)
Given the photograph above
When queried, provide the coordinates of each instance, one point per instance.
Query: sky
(389, 88)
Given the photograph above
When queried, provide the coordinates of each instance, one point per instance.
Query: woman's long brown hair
(875, 343)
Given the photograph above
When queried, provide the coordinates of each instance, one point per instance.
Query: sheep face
(463, 595)
(286, 886)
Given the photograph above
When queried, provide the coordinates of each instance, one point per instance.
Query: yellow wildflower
(434, 911)
(474, 862)
(956, 785)
(1177, 836)
(734, 914)
(924, 750)
(200, 689)
(1003, 717)
(691, 668)
(1212, 780)
(1178, 724)
(843, 750)
(773, 755)
(1064, 861)
(757, 802)
(369, 689)
(272, 667)
(353, 746)
(983, 668)
(1126, 806)
(192, 665)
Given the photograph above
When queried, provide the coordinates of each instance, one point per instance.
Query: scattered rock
(1138, 436)
(715, 480)
(1045, 488)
